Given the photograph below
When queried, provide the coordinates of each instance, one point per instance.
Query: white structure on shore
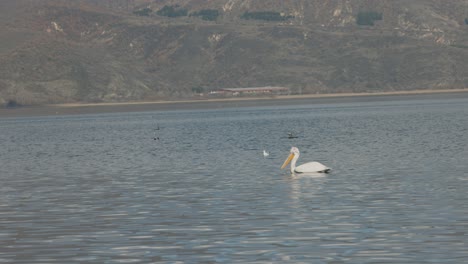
(253, 90)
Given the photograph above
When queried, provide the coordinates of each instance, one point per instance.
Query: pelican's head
(293, 152)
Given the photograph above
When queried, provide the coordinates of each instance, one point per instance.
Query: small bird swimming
(291, 135)
(265, 153)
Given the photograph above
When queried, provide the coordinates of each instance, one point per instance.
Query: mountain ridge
(103, 51)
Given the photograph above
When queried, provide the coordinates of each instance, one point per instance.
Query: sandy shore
(94, 108)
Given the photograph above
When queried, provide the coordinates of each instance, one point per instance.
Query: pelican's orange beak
(286, 162)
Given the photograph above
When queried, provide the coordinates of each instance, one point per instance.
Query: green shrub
(207, 14)
(265, 15)
(143, 12)
(198, 89)
(172, 11)
(12, 104)
(368, 18)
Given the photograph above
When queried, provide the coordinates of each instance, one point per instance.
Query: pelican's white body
(304, 168)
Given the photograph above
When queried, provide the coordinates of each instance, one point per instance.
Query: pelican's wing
(312, 167)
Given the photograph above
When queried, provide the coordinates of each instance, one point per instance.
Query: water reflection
(306, 185)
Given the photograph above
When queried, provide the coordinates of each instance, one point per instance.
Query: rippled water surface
(100, 189)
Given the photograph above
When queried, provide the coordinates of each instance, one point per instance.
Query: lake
(194, 186)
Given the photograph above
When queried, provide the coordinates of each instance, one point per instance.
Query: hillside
(57, 51)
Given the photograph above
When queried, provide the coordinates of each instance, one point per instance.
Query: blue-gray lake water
(99, 189)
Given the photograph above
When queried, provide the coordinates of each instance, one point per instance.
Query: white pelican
(304, 168)
(265, 153)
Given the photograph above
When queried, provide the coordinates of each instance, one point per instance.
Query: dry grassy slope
(97, 50)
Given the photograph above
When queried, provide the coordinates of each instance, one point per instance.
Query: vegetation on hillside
(143, 12)
(206, 14)
(172, 11)
(12, 104)
(199, 90)
(367, 18)
(265, 15)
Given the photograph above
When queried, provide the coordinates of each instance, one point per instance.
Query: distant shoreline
(305, 96)
(217, 103)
